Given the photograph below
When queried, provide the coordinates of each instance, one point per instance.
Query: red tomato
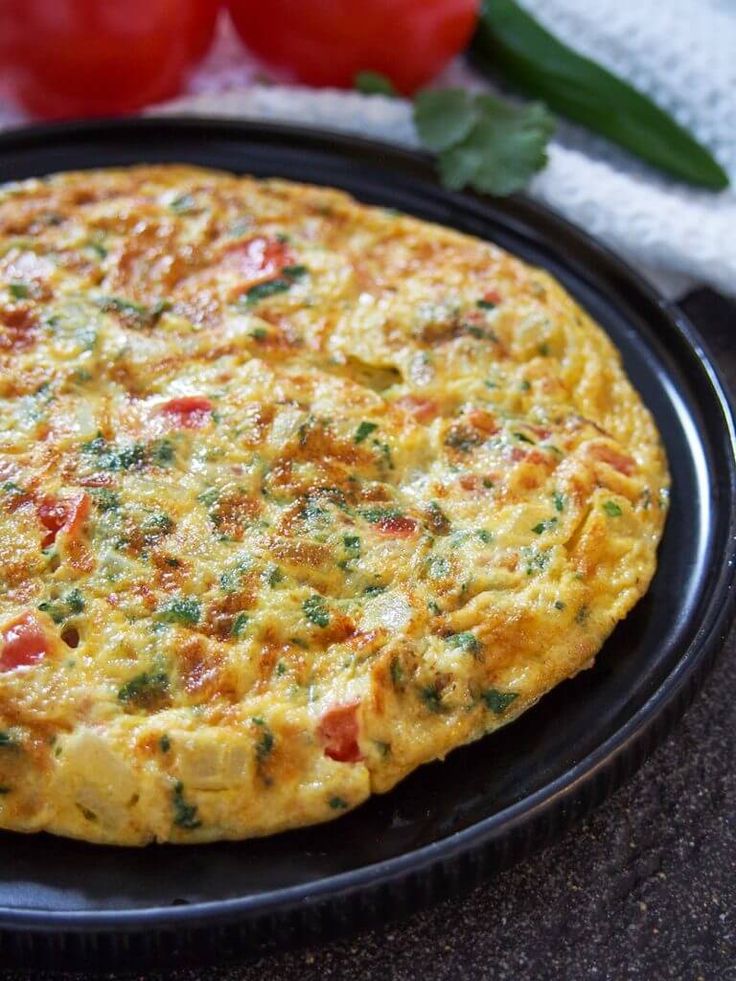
(328, 43)
(338, 729)
(98, 57)
(257, 259)
(396, 526)
(62, 514)
(421, 409)
(187, 412)
(23, 642)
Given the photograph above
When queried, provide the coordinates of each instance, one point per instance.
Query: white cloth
(680, 52)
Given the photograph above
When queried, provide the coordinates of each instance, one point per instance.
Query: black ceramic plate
(449, 824)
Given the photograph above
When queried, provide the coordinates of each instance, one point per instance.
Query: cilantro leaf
(374, 83)
(444, 117)
(482, 141)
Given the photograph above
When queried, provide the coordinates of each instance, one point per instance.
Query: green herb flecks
(272, 287)
(265, 741)
(364, 430)
(7, 740)
(315, 610)
(134, 314)
(466, 641)
(19, 291)
(145, 690)
(612, 509)
(559, 501)
(61, 609)
(431, 698)
(548, 525)
(240, 625)
(498, 701)
(185, 814)
(338, 804)
(183, 609)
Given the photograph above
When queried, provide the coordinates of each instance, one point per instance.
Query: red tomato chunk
(24, 642)
(62, 514)
(338, 729)
(187, 412)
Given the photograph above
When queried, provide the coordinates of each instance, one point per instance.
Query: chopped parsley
(63, 608)
(316, 610)
(543, 526)
(182, 203)
(376, 514)
(19, 291)
(184, 609)
(498, 701)
(282, 283)
(338, 804)
(265, 743)
(112, 457)
(364, 430)
(106, 500)
(485, 536)
(438, 567)
(146, 689)
(559, 501)
(352, 543)
(185, 815)
(466, 641)
(486, 304)
(431, 698)
(239, 625)
(612, 509)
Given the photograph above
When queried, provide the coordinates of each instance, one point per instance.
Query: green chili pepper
(510, 41)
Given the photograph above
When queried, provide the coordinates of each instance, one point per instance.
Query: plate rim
(572, 794)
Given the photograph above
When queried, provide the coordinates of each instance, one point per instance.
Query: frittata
(295, 495)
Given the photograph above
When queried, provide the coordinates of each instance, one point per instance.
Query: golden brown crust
(296, 496)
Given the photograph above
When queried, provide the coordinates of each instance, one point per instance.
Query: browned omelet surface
(295, 496)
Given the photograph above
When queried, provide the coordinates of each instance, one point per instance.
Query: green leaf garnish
(315, 610)
(482, 141)
(498, 701)
(612, 509)
(364, 430)
(374, 83)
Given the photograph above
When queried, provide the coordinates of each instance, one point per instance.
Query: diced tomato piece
(24, 642)
(258, 259)
(397, 526)
(483, 421)
(492, 296)
(62, 514)
(338, 729)
(421, 409)
(187, 412)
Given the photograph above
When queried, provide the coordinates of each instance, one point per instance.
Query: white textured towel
(680, 52)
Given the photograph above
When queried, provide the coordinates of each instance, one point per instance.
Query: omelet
(296, 495)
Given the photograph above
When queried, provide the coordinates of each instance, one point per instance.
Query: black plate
(448, 824)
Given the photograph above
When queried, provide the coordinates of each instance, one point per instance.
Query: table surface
(644, 888)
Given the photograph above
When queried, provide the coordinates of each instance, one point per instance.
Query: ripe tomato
(97, 57)
(327, 42)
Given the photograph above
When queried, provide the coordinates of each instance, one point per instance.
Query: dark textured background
(645, 888)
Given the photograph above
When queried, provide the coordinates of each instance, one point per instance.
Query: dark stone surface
(644, 888)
